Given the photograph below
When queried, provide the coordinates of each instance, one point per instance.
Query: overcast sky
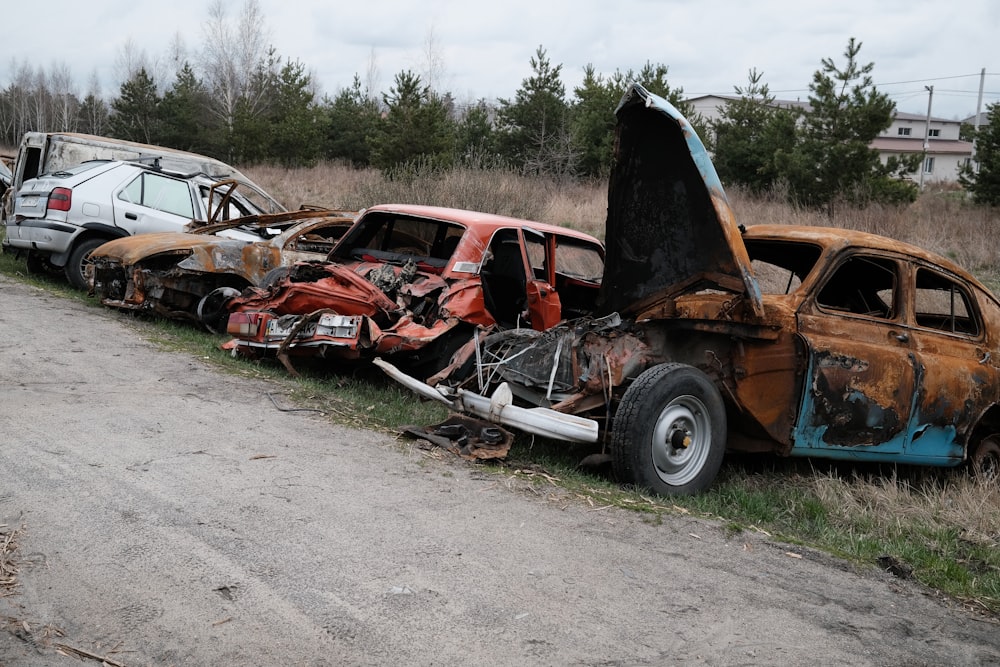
(484, 48)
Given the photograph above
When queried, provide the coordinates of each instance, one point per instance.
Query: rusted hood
(131, 249)
(670, 229)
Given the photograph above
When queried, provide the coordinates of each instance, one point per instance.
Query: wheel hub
(680, 438)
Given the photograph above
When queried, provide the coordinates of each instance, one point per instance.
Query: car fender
(87, 230)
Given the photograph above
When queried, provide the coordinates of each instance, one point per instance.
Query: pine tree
(416, 126)
(748, 134)
(185, 119)
(350, 119)
(831, 159)
(135, 112)
(984, 184)
(295, 120)
(534, 127)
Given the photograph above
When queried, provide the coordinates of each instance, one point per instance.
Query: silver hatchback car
(59, 218)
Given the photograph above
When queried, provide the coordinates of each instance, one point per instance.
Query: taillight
(60, 199)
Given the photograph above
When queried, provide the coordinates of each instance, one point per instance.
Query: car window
(781, 266)
(160, 193)
(582, 261)
(943, 304)
(574, 259)
(862, 285)
(535, 245)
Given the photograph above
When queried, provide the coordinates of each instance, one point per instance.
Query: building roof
(916, 145)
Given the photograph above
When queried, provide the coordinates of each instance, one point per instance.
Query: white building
(946, 153)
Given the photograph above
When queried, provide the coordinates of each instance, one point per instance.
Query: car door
(862, 372)
(153, 202)
(949, 339)
(544, 305)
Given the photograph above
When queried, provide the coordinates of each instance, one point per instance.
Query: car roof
(835, 237)
(483, 223)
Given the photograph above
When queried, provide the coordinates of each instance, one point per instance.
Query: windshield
(392, 237)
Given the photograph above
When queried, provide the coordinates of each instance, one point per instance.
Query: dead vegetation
(941, 220)
(8, 566)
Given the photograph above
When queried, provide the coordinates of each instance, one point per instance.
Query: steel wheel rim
(683, 421)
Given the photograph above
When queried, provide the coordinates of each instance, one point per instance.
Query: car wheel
(669, 433)
(212, 311)
(986, 458)
(274, 276)
(75, 266)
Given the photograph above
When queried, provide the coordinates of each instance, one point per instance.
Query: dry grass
(958, 502)
(940, 220)
(8, 567)
(329, 184)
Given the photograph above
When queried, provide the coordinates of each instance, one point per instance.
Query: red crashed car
(414, 283)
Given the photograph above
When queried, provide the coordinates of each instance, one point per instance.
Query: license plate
(29, 202)
(275, 330)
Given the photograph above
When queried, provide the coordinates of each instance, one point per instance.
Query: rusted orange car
(416, 282)
(799, 341)
(192, 275)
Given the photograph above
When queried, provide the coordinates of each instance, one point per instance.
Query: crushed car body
(417, 282)
(191, 275)
(799, 341)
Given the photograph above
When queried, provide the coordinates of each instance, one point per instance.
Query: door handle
(901, 336)
(131, 216)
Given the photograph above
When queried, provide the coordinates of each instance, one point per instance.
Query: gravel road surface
(168, 513)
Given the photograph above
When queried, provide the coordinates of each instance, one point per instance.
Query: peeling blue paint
(919, 443)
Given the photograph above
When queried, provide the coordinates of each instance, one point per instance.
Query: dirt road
(173, 516)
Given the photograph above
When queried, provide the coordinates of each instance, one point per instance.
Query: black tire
(669, 433)
(275, 275)
(985, 459)
(212, 311)
(74, 269)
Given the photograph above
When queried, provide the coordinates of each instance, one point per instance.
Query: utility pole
(979, 110)
(927, 134)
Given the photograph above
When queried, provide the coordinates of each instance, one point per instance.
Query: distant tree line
(240, 101)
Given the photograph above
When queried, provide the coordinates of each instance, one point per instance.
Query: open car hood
(670, 230)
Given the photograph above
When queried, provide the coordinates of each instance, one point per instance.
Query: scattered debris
(894, 566)
(74, 652)
(472, 439)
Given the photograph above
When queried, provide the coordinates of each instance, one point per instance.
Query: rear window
(78, 168)
(945, 305)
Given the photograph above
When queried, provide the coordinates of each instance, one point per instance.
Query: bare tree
(233, 59)
(39, 100)
(65, 101)
(434, 68)
(372, 78)
(94, 114)
(20, 93)
(177, 52)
